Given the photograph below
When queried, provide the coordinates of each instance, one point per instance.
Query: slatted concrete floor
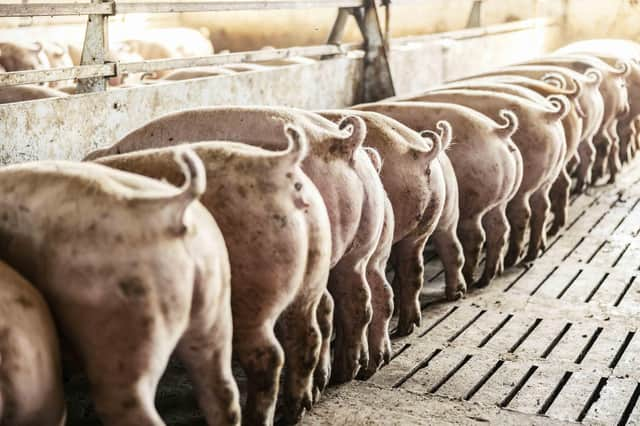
(554, 342)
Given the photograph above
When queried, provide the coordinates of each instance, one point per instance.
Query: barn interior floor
(556, 341)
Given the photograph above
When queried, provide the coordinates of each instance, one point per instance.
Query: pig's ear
(357, 132)
(375, 158)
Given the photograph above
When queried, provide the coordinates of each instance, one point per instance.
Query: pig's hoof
(612, 180)
(452, 296)
(530, 257)
(555, 228)
(320, 381)
(510, 259)
(482, 282)
(403, 330)
(345, 370)
(294, 409)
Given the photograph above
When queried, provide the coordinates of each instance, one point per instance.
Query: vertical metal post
(96, 44)
(337, 31)
(474, 15)
(377, 81)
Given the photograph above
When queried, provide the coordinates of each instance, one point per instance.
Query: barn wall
(67, 128)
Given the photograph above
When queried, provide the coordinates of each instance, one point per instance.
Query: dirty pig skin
(276, 228)
(347, 181)
(138, 260)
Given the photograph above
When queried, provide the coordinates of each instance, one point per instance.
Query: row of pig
(156, 44)
(153, 44)
(282, 260)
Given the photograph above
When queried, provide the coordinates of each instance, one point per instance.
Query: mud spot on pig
(281, 220)
(132, 288)
(24, 302)
(129, 403)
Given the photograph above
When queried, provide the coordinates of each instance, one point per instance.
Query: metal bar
(94, 50)
(337, 31)
(377, 82)
(252, 56)
(166, 7)
(56, 74)
(475, 14)
(57, 9)
(112, 69)
(510, 27)
(111, 8)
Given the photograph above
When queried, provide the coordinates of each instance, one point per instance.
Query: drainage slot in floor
(435, 324)
(556, 340)
(525, 335)
(566, 256)
(597, 251)
(553, 243)
(574, 221)
(422, 364)
(526, 268)
(595, 395)
(589, 344)
(535, 290)
(466, 326)
(450, 374)
(596, 288)
(483, 380)
(626, 247)
(598, 221)
(624, 291)
(564, 290)
(556, 391)
(440, 272)
(495, 331)
(623, 347)
(400, 351)
(631, 405)
(619, 224)
(523, 381)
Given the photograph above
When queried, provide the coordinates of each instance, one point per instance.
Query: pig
(30, 372)
(590, 101)
(413, 178)
(541, 141)
(277, 232)
(132, 268)
(28, 92)
(623, 49)
(378, 339)
(346, 179)
(23, 56)
(57, 54)
(612, 52)
(572, 125)
(483, 152)
(616, 105)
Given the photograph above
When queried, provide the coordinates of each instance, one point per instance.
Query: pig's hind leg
(205, 349)
(472, 238)
(408, 280)
(299, 333)
(322, 373)
(352, 297)
(496, 228)
(261, 358)
(540, 206)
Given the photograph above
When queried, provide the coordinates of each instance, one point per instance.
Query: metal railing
(94, 70)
